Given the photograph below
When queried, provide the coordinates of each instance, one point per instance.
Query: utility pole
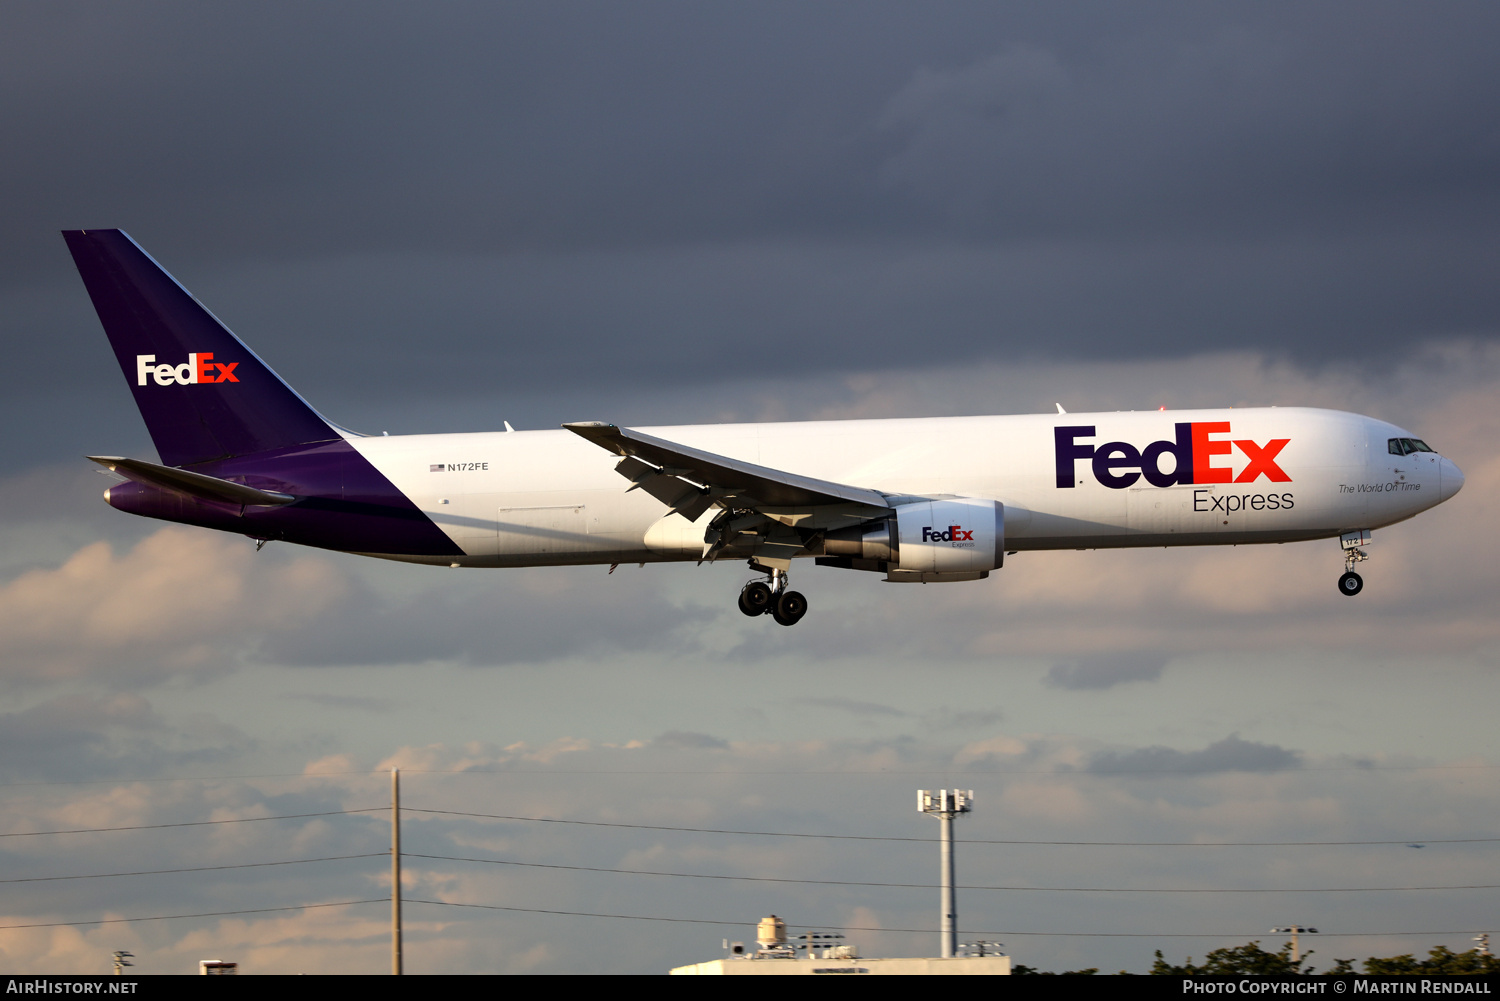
(1294, 931)
(396, 872)
(945, 805)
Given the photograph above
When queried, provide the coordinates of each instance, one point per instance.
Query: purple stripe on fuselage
(344, 503)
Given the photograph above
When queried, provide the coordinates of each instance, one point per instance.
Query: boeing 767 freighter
(929, 500)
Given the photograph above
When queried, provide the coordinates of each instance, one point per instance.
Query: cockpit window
(1406, 446)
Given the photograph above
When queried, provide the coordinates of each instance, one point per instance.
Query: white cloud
(180, 601)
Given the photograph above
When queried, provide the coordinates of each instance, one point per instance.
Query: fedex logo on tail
(1196, 453)
(199, 368)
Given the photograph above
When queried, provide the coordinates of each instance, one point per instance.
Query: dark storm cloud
(597, 124)
(471, 195)
(1229, 755)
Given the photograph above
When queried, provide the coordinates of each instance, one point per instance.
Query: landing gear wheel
(1351, 584)
(789, 608)
(756, 598)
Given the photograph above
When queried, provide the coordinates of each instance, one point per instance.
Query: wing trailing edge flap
(192, 484)
(689, 481)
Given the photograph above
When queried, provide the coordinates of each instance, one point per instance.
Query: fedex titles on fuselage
(1119, 464)
(1198, 444)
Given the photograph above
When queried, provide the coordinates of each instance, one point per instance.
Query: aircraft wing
(690, 481)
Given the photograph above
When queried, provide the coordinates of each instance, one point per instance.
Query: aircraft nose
(1450, 479)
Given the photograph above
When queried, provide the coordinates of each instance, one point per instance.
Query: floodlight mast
(946, 804)
(1294, 931)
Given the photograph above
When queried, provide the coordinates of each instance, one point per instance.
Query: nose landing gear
(771, 595)
(1352, 583)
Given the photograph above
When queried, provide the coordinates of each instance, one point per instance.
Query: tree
(1251, 960)
(1242, 960)
(1439, 960)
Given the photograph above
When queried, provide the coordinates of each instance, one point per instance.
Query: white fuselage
(533, 498)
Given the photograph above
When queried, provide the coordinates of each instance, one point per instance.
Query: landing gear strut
(771, 595)
(1352, 583)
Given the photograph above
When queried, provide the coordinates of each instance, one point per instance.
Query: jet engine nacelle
(960, 538)
(962, 535)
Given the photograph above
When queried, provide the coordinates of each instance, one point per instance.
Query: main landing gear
(1352, 583)
(761, 596)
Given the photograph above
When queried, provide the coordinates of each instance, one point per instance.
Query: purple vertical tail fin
(203, 393)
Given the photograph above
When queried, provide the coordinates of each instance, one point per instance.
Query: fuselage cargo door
(1161, 511)
(551, 528)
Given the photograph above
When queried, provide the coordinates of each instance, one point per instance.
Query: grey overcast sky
(435, 217)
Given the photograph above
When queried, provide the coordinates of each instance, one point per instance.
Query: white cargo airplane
(928, 500)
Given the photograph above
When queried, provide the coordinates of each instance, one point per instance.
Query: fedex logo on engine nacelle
(199, 368)
(953, 533)
(1119, 464)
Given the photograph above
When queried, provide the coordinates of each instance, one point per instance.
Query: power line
(700, 921)
(975, 841)
(190, 823)
(118, 780)
(583, 914)
(203, 914)
(748, 879)
(967, 769)
(926, 931)
(196, 868)
(931, 886)
(762, 834)
(936, 770)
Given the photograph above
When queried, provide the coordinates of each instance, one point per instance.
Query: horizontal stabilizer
(192, 484)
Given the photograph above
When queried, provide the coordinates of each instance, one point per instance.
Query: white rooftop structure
(819, 955)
